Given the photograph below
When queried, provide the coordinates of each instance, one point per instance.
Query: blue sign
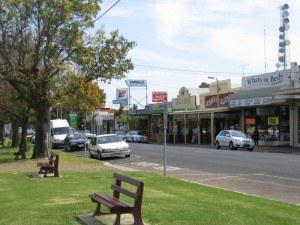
(136, 83)
(122, 102)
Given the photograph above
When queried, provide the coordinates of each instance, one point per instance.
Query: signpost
(165, 138)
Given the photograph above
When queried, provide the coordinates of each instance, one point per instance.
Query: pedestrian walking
(255, 137)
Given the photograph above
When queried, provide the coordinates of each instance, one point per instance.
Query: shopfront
(271, 122)
(269, 106)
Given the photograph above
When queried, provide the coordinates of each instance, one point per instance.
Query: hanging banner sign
(159, 96)
(250, 121)
(136, 83)
(273, 121)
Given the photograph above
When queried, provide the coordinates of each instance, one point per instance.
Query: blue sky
(214, 35)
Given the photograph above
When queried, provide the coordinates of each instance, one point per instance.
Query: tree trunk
(1, 133)
(15, 134)
(42, 124)
(23, 144)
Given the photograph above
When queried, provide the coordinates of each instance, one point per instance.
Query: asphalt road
(271, 175)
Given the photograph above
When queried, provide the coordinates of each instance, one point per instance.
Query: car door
(128, 136)
(93, 146)
(221, 138)
(226, 138)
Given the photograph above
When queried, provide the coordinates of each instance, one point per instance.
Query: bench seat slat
(109, 201)
(123, 191)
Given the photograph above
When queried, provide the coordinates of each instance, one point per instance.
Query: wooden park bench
(51, 166)
(115, 205)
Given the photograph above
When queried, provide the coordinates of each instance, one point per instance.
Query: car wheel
(100, 156)
(91, 155)
(218, 145)
(127, 156)
(250, 149)
(231, 146)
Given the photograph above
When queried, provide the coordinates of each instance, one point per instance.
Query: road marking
(283, 178)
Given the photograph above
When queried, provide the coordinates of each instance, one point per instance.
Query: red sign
(250, 121)
(211, 101)
(159, 96)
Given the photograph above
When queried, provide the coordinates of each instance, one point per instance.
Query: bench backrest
(137, 196)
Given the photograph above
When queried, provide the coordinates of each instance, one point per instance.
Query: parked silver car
(234, 139)
(136, 136)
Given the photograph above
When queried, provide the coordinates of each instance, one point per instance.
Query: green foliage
(76, 93)
(41, 40)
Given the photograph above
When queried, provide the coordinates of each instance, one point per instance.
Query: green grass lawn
(28, 201)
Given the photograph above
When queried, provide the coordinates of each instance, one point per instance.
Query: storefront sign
(273, 121)
(184, 100)
(136, 83)
(265, 80)
(211, 101)
(250, 102)
(159, 96)
(121, 93)
(250, 121)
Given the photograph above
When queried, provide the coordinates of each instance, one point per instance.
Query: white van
(59, 130)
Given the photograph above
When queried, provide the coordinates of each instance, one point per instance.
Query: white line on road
(283, 178)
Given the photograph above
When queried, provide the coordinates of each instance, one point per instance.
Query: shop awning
(262, 96)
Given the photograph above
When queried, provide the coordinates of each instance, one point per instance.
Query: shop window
(272, 123)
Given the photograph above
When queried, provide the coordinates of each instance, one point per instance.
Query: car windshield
(238, 134)
(78, 136)
(108, 139)
(136, 133)
(61, 130)
(120, 133)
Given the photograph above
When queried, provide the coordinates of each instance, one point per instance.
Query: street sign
(73, 120)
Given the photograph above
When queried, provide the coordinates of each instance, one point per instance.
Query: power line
(191, 71)
(107, 11)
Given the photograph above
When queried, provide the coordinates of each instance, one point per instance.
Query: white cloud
(232, 30)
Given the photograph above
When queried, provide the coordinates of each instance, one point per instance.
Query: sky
(220, 38)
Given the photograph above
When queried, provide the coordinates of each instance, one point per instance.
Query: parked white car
(234, 139)
(108, 145)
(136, 136)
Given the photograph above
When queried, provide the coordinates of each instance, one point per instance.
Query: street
(271, 175)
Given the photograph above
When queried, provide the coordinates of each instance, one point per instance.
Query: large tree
(39, 38)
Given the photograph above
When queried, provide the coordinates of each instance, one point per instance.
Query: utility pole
(165, 138)
(243, 68)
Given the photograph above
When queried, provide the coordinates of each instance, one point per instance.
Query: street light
(218, 89)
